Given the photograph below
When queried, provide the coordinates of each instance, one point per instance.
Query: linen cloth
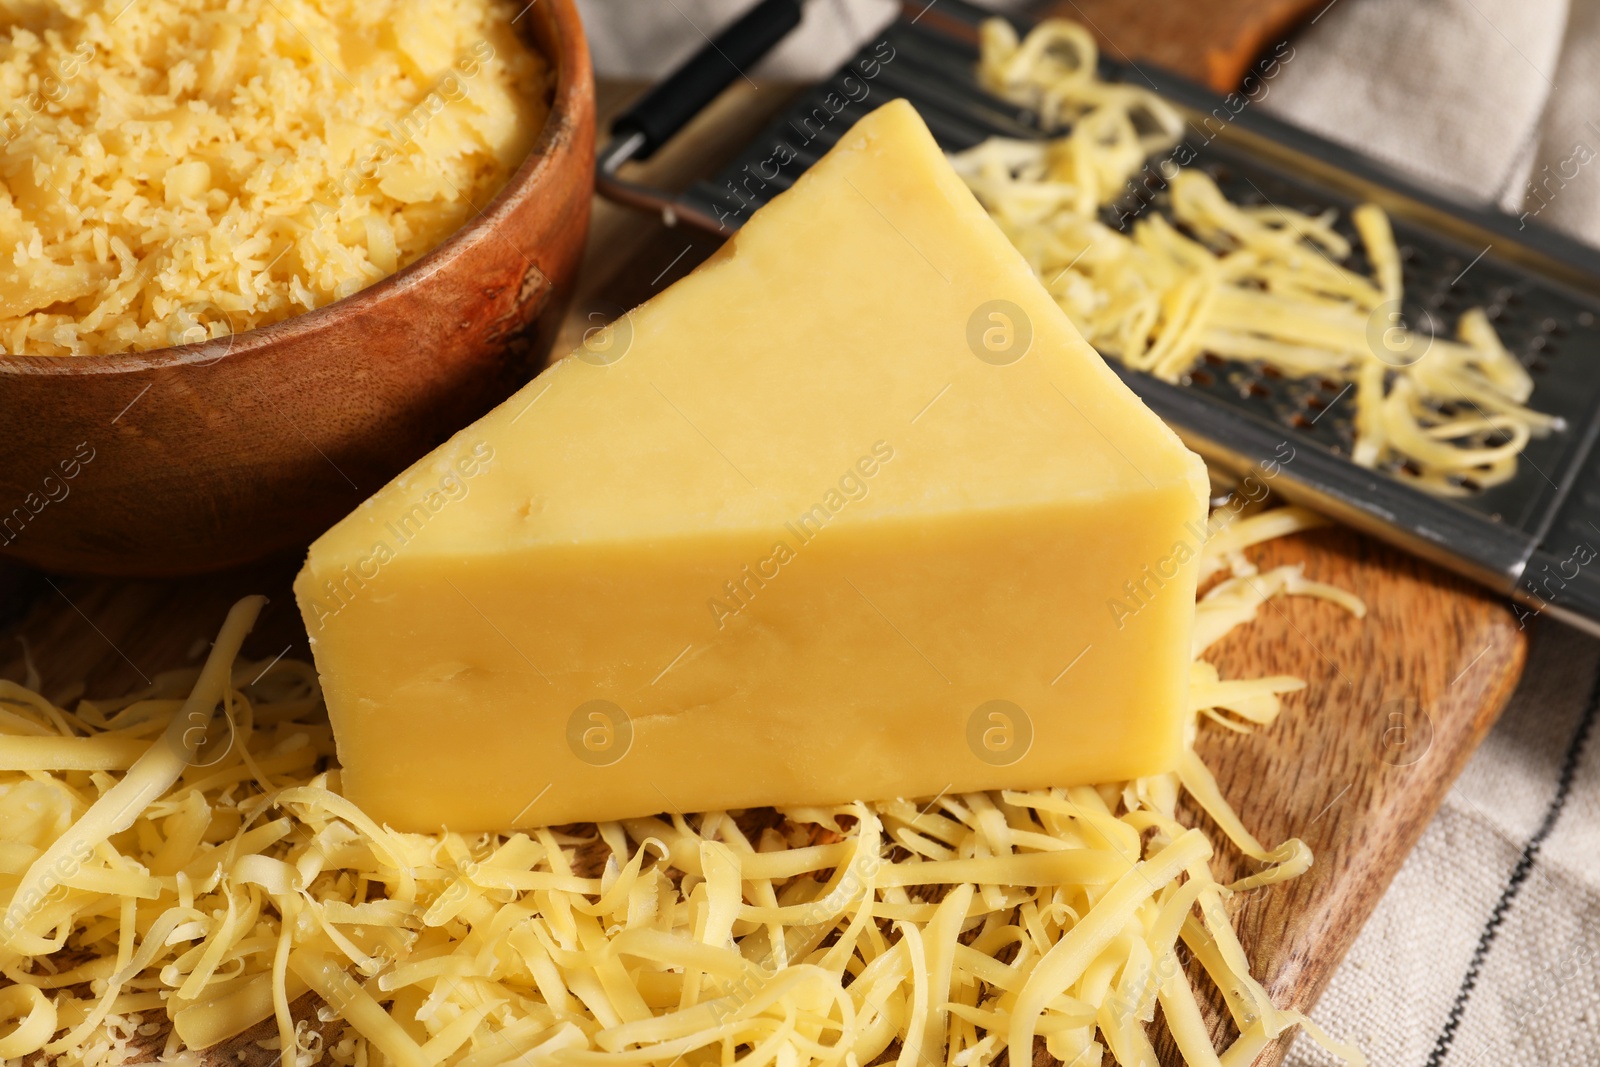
(1486, 948)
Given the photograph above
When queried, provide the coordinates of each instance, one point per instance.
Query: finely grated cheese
(172, 170)
(196, 871)
(1263, 285)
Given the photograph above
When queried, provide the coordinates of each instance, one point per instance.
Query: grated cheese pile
(167, 864)
(172, 170)
(1261, 284)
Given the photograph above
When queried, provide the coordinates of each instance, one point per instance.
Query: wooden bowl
(210, 455)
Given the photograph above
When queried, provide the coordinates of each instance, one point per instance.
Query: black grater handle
(669, 105)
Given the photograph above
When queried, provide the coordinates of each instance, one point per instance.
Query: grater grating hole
(1441, 282)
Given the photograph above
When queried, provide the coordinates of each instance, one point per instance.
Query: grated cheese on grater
(1262, 284)
(176, 866)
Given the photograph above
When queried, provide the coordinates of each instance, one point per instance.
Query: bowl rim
(572, 63)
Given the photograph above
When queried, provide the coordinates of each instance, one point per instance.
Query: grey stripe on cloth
(1570, 762)
(1534, 994)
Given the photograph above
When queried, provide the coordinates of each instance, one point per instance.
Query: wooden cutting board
(1213, 42)
(1356, 766)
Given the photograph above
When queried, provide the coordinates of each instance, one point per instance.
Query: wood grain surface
(1337, 770)
(1361, 759)
(1213, 42)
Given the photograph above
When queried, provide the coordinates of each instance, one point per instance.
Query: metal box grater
(1535, 538)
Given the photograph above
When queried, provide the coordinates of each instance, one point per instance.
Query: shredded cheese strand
(1260, 285)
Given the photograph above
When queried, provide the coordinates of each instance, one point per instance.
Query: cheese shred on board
(1263, 284)
(174, 170)
(179, 867)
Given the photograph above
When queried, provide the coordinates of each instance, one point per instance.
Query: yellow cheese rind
(807, 528)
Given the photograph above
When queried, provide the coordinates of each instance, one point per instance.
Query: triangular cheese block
(851, 511)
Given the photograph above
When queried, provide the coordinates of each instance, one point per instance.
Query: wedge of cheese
(850, 512)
